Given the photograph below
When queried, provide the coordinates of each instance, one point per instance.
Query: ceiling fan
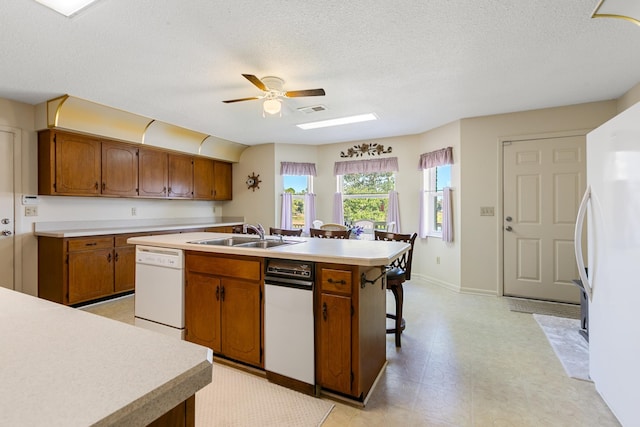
(273, 88)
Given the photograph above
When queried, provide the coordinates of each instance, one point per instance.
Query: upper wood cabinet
(69, 164)
(119, 169)
(153, 169)
(222, 181)
(202, 178)
(80, 165)
(180, 176)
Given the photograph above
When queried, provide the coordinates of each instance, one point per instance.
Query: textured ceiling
(417, 64)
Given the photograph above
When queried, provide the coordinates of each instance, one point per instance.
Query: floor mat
(544, 307)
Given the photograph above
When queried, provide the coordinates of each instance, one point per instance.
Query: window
(298, 186)
(435, 179)
(366, 195)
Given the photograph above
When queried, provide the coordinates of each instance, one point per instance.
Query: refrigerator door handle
(582, 212)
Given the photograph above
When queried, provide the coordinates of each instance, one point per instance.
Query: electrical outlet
(134, 211)
(486, 211)
(437, 260)
(30, 211)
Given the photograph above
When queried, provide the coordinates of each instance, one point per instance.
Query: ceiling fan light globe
(272, 106)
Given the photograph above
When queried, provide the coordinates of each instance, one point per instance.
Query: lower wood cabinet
(74, 270)
(350, 328)
(223, 305)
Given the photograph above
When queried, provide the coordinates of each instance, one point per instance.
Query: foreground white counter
(348, 251)
(65, 367)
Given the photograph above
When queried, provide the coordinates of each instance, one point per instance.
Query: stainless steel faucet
(257, 228)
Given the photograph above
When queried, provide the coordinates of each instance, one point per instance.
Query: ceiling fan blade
(256, 81)
(229, 101)
(308, 92)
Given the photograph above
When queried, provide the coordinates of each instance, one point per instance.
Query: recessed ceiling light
(66, 7)
(338, 122)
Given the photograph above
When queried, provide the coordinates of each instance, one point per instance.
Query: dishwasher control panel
(162, 257)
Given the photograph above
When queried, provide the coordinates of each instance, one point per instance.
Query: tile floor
(466, 360)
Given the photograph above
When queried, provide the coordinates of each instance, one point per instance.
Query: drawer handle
(91, 244)
(337, 282)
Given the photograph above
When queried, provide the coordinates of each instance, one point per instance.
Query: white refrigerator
(612, 209)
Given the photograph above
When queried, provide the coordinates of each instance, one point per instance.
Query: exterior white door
(543, 182)
(7, 228)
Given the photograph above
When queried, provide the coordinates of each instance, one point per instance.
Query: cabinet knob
(324, 310)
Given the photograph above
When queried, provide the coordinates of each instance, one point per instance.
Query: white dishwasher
(289, 342)
(159, 295)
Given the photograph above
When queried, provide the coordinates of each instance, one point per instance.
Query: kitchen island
(224, 307)
(66, 367)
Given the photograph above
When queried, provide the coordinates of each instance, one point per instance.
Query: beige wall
(631, 97)
(480, 172)
(257, 206)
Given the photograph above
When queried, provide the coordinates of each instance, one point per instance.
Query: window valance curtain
(293, 168)
(436, 158)
(389, 164)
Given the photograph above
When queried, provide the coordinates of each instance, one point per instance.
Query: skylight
(66, 7)
(338, 122)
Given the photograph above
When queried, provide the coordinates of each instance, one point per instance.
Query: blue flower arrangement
(356, 231)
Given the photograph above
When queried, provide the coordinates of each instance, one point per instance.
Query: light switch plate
(486, 211)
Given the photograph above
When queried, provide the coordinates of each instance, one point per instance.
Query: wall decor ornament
(370, 149)
(253, 182)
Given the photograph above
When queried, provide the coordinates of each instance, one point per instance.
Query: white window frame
(432, 194)
(300, 196)
(382, 196)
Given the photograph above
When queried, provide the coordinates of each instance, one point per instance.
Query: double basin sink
(245, 242)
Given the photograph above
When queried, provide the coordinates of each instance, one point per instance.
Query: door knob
(6, 233)
(508, 228)
(508, 219)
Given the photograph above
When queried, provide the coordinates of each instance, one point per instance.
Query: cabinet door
(77, 165)
(124, 268)
(222, 181)
(90, 274)
(335, 342)
(152, 172)
(180, 176)
(241, 314)
(119, 169)
(202, 310)
(202, 178)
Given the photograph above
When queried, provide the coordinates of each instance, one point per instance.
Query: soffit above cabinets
(79, 115)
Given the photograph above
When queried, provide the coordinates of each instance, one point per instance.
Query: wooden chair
(399, 271)
(333, 226)
(285, 232)
(329, 234)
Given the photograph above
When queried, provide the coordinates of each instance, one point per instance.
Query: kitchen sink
(244, 242)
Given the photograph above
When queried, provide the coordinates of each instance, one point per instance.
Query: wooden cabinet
(119, 169)
(180, 176)
(73, 164)
(223, 305)
(90, 268)
(222, 181)
(350, 328)
(80, 269)
(202, 178)
(69, 164)
(124, 256)
(153, 170)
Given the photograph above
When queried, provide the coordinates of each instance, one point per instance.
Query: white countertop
(339, 251)
(61, 229)
(66, 367)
